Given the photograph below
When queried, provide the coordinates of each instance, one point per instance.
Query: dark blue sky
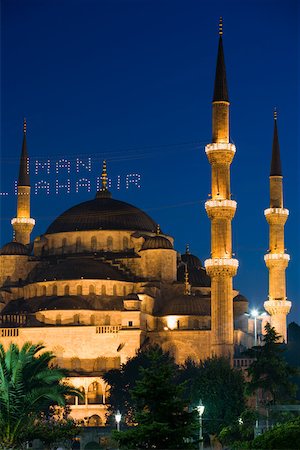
(132, 81)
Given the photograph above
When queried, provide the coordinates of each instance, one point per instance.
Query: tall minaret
(221, 209)
(277, 260)
(23, 223)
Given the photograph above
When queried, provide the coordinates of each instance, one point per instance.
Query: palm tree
(29, 385)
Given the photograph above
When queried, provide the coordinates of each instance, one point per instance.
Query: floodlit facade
(103, 280)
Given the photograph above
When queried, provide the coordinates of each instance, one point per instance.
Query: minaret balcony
(219, 152)
(220, 209)
(274, 307)
(278, 260)
(276, 216)
(23, 220)
(221, 267)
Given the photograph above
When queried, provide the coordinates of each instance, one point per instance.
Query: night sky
(132, 82)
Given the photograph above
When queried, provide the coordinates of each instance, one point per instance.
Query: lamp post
(200, 409)
(254, 314)
(118, 417)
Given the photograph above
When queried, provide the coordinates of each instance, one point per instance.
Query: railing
(103, 329)
(9, 332)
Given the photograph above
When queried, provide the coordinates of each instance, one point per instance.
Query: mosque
(105, 280)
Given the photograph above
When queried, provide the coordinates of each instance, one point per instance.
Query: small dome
(186, 305)
(240, 298)
(191, 260)
(132, 296)
(156, 242)
(14, 248)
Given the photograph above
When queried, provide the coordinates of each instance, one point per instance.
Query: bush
(281, 437)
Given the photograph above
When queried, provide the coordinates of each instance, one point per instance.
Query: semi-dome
(156, 242)
(102, 213)
(14, 248)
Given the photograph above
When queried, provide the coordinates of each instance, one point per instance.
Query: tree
(283, 436)
(221, 389)
(28, 386)
(269, 371)
(160, 413)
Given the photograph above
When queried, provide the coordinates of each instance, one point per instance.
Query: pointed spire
(157, 229)
(103, 191)
(24, 179)
(276, 162)
(187, 286)
(220, 90)
(187, 249)
(104, 176)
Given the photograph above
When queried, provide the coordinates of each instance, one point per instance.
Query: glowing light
(42, 166)
(133, 178)
(221, 262)
(66, 186)
(80, 163)
(220, 146)
(83, 183)
(23, 220)
(277, 256)
(63, 164)
(42, 185)
(172, 322)
(280, 211)
(221, 203)
(254, 313)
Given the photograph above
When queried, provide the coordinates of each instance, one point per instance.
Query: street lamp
(118, 417)
(200, 409)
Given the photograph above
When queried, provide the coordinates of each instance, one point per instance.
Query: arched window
(114, 289)
(76, 319)
(81, 401)
(75, 364)
(91, 289)
(67, 290)
(107, 320)
(103, 289)
(54, 289)
(58, 319)
(94, 421)
(94, 244)
(125, 243)
(78, 244)
(79, 290)
(100, 364)
(63, 245)
(44, 292)
(93, 320)
(110, 243)
(95, 394)
(124, 291)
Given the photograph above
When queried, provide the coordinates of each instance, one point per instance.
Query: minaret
(23, 223)
(221, 209)
(277, 260)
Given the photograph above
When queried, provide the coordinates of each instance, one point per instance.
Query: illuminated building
(104, 280)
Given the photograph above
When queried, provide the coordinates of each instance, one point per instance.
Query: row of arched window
(93, 247)
(77, 320)
(42, 290)
(93, 396)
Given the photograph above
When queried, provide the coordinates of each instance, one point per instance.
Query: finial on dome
(24, 125)
(187, 286)
(221, 26)
(157, 229)
(187, 249)
(275, 113)
(103, 191)
(104, 177)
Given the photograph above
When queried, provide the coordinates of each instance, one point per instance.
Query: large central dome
(102, 214)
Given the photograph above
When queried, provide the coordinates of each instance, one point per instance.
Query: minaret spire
(23, 223)
(220, 89)
(277, 260)
(23, 179)
(221, 209)
(276, 161)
